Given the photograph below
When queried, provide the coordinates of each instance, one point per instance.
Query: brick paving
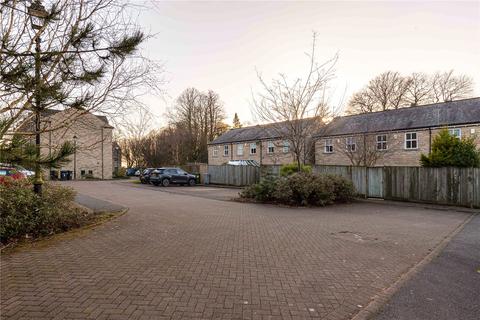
(175, 256)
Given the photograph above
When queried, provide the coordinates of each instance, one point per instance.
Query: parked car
(130, 172)
(138, 173)
(145, 175)
(166, 176)
(11, 172)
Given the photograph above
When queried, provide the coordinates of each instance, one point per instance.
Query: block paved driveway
(176, 256)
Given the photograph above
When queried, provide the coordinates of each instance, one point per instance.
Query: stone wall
(93, 140)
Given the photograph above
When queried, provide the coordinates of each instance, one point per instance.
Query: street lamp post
(38, 15)
(75, 157)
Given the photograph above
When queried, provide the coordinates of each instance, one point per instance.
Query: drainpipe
(102, 152)
(231, 153)
(429, 140)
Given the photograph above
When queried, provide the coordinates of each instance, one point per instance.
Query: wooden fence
(233, 175)
(453, 186)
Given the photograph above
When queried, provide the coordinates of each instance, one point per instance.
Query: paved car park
(180, 253)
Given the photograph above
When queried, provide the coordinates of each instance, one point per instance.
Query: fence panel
(454, 186)
(233, 175)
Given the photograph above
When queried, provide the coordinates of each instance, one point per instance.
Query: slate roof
(254, 133)
(458, 112)
(49, 112)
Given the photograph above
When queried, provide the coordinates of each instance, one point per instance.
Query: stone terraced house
(92, 135)
(261, 143)
(394, 137)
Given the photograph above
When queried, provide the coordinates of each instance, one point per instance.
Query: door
(182, 176)
(375, 182)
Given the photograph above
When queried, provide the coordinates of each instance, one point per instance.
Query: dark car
(145, 175)
(131, 172)
(166, 176)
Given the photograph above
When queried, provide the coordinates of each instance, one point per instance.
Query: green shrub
(24, 213)
(302, 189)
(342, 188)
(450, 151)
(262, 191)
(291, 168)
(120, 173)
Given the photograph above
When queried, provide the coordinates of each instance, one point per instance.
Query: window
(270, 147)
(253, 148)
(90, 172)
(239, 149)
(215, 151)
(456, 132)
(225, 150)
(328, 146)
(286, 146)
(82, 172)
(382, 142)
(351, 145)
(411, 141)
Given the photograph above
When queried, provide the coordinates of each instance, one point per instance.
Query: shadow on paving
(447, 288)
(97, 205)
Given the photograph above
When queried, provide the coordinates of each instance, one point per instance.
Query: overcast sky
(219, 45)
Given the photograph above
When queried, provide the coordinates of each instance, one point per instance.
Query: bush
(262, 191)
(450, 151)
(121, 173)
(301, 189)
(289, 169)
(342, 188)
(24, 213)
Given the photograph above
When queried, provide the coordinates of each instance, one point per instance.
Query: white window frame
(286, 146)
(453, 130)
(270, 145)
(328, 147)
(351, 145)
(411, 140)
(215, 151)
(253, 146)
(383, 143)
(226, 150)
(239, 149)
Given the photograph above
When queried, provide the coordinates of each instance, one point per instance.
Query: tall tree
(200, 116)
(79, 55)
(448, 87)
(296, 108)
(236, 121)
(419, 90)
(390, 90)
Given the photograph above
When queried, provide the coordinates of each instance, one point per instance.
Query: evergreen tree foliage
(236, 121)
(450, 151)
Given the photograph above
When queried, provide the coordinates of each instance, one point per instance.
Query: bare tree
(201, 118)
(419, 90)
(448, 87)
(297, 108)
(390, 90)
(385, 92)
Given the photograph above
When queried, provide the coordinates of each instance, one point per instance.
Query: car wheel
(165, 182)
(191, 182)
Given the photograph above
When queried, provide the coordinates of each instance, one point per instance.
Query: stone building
(262, 143)
(394, 137)
(92, 136)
